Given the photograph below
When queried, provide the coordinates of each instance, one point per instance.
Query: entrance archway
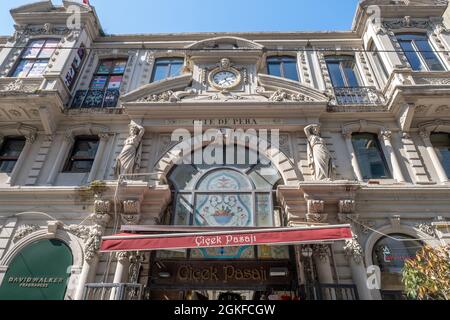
(40, 271)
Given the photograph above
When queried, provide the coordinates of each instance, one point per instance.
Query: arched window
(441, 143)
(38, 272)
(283, 66)
(370, 157)
(343, 71)
(166, 68)
(390, 255)
(228, 195)
(421, 56)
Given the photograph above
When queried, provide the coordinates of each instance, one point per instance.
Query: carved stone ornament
(102, 206)
(24, 230)
(123, 256)
(353, 250)
(316, 217)
(316, 206)
(322, 251)
(407, 22)
(131, 212)
(427, 228)
(18, 86)
(347, 206)
(282, 95)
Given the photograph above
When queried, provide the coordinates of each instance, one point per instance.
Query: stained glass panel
(184, 210)
(264, 212)
(273, 252)
(242, 252)
(225, 180)
(224, 210)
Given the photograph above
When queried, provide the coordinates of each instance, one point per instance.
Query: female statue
(319, 157)
(128, 160)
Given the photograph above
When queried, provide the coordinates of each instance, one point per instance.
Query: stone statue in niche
(128, 160)
(319, 157)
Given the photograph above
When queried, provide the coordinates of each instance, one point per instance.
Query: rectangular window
(10, 152)
(35, 57)
(343, 71)
(283, 66)
(369, 154)
(166, 68)
(441, 142)
(82, 155)
(419, 53)
(75, 67)
(380, 68)
(104, 90)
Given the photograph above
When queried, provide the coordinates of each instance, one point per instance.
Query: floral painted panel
(225, 180)
(273, 252)
(242, 252)
(224, 210)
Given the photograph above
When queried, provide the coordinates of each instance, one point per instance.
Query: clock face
(225, 79)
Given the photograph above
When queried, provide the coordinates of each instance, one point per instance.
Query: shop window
(167, 68)
(35, 58)
(369, 154)
(38, 272)
(82, 155)
(283, 66)
(10, 152)
(441, 143)
(390, 253)
(343, 71)
(104, 89)
(421, 56)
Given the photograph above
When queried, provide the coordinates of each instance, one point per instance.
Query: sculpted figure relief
(129, 159)
(319, 157)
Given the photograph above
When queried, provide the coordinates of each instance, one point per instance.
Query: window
(105, 85)
(35, 58)
(390, 255)
(166, 68)
(82, 155)
(441, 142)
(370, 156)
(284, 66)
(75, 67)
(378, 63)
(10, 152)
(343, 71)
(419, 52)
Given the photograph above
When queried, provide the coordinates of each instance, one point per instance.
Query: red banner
(279, 236)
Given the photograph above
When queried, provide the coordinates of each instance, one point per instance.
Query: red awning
(222, 238)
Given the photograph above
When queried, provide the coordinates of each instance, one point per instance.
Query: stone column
(386, 136)
(22, 158)
(321, 259)
(104, 137)
(351, 151)
(62, 154)
(122, 266)
(355, 256)
(425, 134)
(101, 218)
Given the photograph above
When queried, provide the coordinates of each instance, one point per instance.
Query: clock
(224, 77)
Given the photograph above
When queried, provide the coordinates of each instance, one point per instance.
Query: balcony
(366, 96)
(113, 291)
(96, 98)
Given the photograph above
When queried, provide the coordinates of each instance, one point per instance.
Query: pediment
(225, 43)
(168, 90)
(278, 89)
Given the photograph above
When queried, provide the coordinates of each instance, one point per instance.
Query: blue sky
(166, 16)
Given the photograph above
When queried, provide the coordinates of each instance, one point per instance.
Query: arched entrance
(39, 272)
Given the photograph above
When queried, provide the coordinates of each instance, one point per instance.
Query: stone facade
(38, 200)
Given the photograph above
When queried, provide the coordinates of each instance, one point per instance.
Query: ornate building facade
(87, 151)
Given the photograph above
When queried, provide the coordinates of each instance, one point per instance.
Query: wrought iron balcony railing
(96, 98)
(113, 291)
(322, 291)
(358, 96)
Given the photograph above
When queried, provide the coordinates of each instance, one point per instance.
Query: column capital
(322, 251)
(425, 134)
(104, 136)
(385, 134)
(123, 256)
(30, 138)
(353, 250)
